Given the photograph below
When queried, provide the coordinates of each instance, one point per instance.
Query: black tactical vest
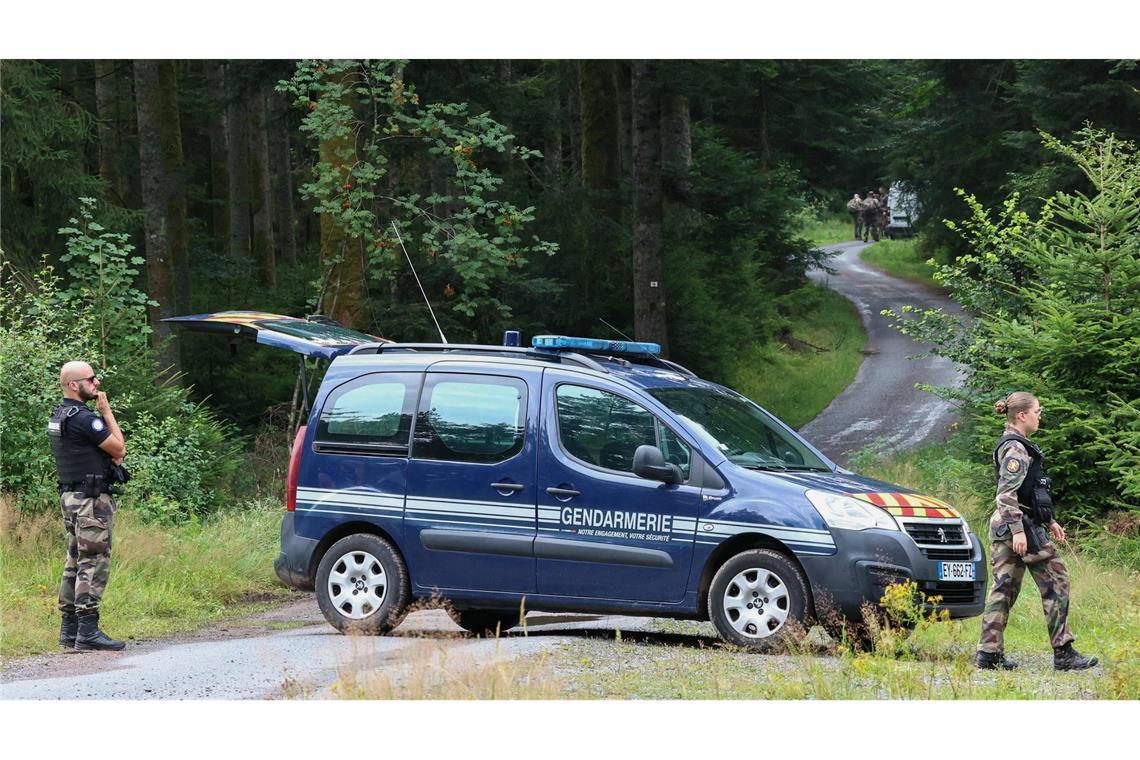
(74, 458)
(1034, 495)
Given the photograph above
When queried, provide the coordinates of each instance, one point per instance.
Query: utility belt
(93, 486)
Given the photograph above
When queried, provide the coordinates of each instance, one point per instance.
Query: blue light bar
(597, 345)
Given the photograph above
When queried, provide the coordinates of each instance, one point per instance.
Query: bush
(1052, 306)
(182, 457)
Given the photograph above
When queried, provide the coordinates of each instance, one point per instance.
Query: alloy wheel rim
(357, 585)
(756, 603)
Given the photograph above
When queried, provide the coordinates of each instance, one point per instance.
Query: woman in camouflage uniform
(1019, 541)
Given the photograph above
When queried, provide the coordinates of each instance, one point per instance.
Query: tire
(485, 623)
(769, 578)
(362, 585)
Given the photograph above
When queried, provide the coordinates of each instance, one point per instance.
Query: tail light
(294, 467)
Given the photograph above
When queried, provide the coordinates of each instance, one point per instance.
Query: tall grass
(163, 579)
(799, 376)
(448, 669)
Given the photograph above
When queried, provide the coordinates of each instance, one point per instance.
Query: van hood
(892, 498)
(317, 337)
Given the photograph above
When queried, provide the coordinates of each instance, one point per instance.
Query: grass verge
(797, 377)
(903, 259)
(163, 579)
(836, 228)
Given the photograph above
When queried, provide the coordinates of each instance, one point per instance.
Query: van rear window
(374, 410)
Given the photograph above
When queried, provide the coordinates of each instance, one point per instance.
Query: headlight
(841, 511)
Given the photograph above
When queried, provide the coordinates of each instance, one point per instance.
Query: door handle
(508, 486)
(563, 493)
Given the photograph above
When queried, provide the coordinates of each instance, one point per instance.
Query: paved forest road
(292, 652)
(881, 407)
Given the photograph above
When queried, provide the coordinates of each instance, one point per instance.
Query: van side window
(604, 429)
(371, 411)
(471, 418)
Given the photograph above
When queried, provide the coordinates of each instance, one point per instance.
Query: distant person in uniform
(88, 449)
(871, 216)
(884, 209)
(1019, 540)
(855, 209)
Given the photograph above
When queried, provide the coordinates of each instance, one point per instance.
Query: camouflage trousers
(857, 218)
(1052, 579)
(88, 522)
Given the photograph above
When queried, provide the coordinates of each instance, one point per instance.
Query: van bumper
(867, 561)
(294, 562)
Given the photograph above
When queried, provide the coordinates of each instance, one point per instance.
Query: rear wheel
(485, 623)
(362, 585)
(756, 597)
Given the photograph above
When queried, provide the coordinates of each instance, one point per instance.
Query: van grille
(928, 533)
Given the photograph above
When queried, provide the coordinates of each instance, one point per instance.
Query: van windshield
(746, 434)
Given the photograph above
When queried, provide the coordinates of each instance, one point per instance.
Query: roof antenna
(413, 266)
(619, 332)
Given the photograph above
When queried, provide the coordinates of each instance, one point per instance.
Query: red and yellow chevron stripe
(908, 504)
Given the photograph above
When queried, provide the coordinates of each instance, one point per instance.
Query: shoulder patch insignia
(97, 425)
(1012, 465)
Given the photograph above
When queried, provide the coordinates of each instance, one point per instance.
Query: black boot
(89, 637)
(67, 630)
(1067, 658)
(993, 661)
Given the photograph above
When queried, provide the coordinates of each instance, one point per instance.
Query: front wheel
(362, 585)
(755, 597)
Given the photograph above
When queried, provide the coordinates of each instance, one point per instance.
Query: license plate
(956, 571)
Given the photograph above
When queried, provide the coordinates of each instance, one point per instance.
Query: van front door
(603, 531)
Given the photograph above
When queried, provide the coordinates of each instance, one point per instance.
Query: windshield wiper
(763, 466)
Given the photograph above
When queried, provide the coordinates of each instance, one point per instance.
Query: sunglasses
(90, 379)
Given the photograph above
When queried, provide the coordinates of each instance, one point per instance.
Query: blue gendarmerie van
(581, 475)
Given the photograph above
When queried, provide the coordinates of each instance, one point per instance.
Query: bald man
(85, 445)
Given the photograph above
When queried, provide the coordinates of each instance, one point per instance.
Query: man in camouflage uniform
(1017, 544)
(85, 445)
(855, 209)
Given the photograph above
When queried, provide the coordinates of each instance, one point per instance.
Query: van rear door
(318, 337)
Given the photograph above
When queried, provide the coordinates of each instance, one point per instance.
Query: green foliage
(975, 124)
(34, 344)
(182, 457)
(459, 222)
(182, 465)
(735, 264)
(1053, 307)
(102, 271)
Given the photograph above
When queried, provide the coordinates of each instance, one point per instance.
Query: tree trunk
(263, 248)
(156, 184)
(676, 144)
(284, 234)
(568, 81)
(552, 129)
(648, 267)
(176, 190)
(219, 153)
(600, 145)
(624, 128)
(237, 136)
(108, 99)
(342, 257)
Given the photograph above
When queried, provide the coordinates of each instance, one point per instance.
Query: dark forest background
(600, 176)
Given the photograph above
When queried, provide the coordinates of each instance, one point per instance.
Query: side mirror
(649, 463)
